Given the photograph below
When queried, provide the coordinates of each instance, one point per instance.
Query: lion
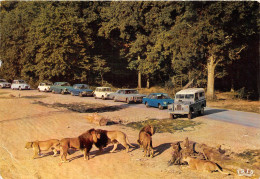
(203, 165)
(113, 137)
(39, 146)
(176, 155)
(145, 139)
(83, 142)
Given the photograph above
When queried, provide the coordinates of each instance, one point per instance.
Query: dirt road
(22, 121)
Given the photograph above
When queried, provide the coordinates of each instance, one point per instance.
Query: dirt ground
(22, 121)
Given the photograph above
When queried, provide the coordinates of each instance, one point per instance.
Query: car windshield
(165, 96)
(180, 96)
(20, 81)
(3, 80)
(189, 96)
(82, 87)
(131, 92)
(104, 89)
(185, 96)
(65, 84)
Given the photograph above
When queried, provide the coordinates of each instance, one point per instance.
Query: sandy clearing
(22, 121)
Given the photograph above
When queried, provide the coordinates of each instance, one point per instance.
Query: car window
(180, 96)
(201, 94)
(189, 96)
(165, 96)
(196, 96)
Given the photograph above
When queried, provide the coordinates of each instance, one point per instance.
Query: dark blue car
(158, 100)
(80, 90)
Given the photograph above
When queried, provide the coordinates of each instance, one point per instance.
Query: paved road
(235, 117)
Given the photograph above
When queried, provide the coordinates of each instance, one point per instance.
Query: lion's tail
(128, 141)
(221, 170)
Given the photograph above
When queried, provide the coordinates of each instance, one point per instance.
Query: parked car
(60, 87)
(46, 87)
(187, 102)
(4, 84)
(19, 84)
(102, 92)
(128, 96)
(158, 100)
(80, 90)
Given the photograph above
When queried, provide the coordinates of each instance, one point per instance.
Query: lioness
(203, 165)
(147, 144)
(145, 139)
(39, 146)
(113, 137)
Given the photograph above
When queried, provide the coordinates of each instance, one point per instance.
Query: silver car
(187, 102)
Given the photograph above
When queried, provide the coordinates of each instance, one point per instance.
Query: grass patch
(164, 125)
(251, 155)
(82, 107)
(34, 97)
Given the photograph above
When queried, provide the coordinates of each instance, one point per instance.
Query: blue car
(158, 100)
(80, 90)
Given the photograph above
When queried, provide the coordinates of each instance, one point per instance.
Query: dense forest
(133, 44)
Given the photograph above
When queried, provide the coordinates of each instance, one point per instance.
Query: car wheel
(147, 105)
(103, 97)
(160, 106)
(62, 92)
(39, 90)
(201, 112)
(172, 116)
(80, 95)
(190, 115)
(127, 101)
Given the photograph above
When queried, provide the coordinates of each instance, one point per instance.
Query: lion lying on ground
(39, 146)
(114, 137)
(145, 140)
(203, 165)
(83, 142)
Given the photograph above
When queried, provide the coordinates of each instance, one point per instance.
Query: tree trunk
(148, 82)
(211, 65)
(139, 80)
(101, 75)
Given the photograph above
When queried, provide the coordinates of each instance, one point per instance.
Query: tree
(202, 35)
(100, 66)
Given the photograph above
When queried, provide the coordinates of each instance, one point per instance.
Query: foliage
(164, 41)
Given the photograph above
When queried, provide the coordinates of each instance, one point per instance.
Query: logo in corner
(245, 172)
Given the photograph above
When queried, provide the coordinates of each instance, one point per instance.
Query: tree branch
(241, 50)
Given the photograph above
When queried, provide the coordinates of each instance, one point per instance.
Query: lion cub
(39, 146)
(203, 165)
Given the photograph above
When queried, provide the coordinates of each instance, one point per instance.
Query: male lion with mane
(83, 142)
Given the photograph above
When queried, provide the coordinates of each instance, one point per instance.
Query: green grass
(164, 125)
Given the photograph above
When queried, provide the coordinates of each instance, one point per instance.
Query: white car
(4, 84)
(102, 92)
(20, 84)
(44, 87)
